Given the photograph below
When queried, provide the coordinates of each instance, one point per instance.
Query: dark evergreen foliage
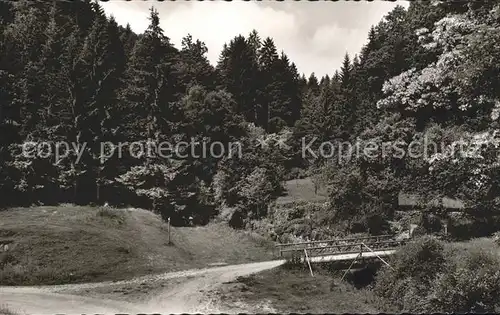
(69, 73)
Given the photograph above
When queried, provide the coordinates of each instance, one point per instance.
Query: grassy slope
(286, 291)
(4, 310)
(295, 291)
(299, 214)
(75, 244)
(302, 190)
(477, 244)
(282, 290)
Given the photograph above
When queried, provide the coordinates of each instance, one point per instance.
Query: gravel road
(188, 295)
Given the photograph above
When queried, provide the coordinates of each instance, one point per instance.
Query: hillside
(284, 290)
(302, 190)
(49, 245)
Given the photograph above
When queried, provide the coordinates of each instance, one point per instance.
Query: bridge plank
(362, 238)
(350, 256)
(301, 248)
(343, 249)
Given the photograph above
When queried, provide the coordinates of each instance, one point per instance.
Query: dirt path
(188, 294)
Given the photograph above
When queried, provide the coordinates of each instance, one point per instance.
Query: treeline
(69, 73)
(430, 78)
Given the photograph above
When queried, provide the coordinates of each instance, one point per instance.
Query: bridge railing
(331, 242)
(340, 246)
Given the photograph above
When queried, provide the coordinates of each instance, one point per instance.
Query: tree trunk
(98, 193)
(75, 189)
(98, 186)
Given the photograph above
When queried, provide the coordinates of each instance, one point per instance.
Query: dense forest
(70, 74)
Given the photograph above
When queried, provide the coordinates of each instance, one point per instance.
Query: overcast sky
(314, 35)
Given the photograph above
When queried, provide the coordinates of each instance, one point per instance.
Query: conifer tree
(193, 66)
(345, 72)
(270, 88)
(313, 84)
(150, 88)
(239, 71)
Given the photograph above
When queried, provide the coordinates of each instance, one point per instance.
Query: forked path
(188, 296)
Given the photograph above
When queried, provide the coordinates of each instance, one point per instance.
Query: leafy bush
(296, 213)
(419, 231)
(4, 310)
(496, 238)
(295, 173)
(253, 179)
(301, 219)
(421, 259)
(414, 268)
(294, 261)
(428, 277)
(7, 258)
(256, 191)
(471, 283)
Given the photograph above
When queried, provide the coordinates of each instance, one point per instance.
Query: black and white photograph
(249, 157)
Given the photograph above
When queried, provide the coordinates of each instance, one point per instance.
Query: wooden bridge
(338, 250)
